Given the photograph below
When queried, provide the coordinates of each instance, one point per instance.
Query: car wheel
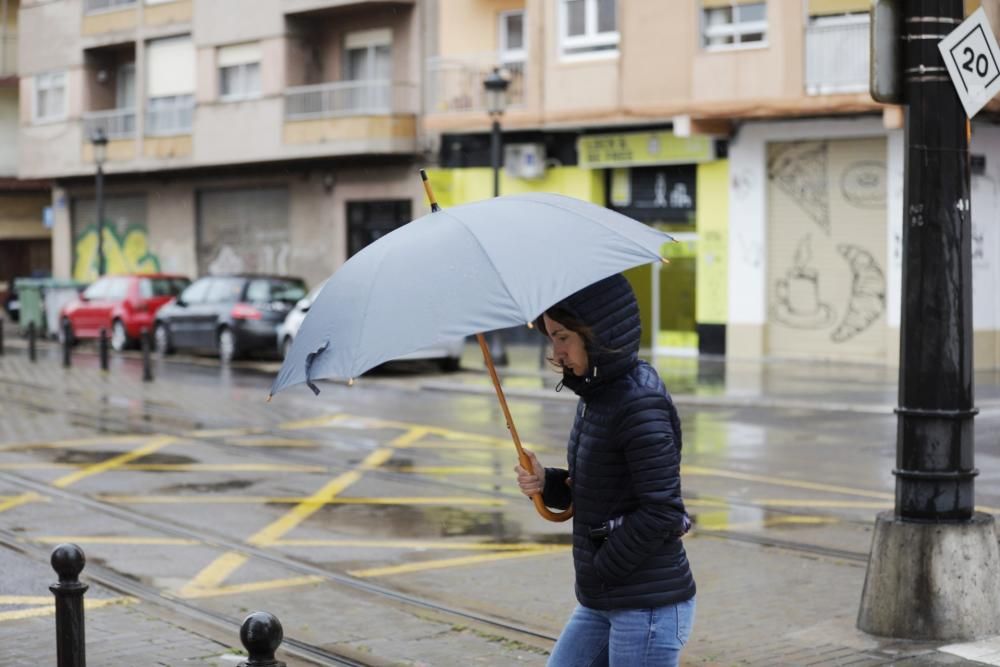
(286, 347)
(119, 337)
(227, 345)
(450, 364)
(161, 339)
(65, 329)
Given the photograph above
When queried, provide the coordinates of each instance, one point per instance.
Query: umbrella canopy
(453, 273)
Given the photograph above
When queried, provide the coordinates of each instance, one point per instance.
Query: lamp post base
(932, 581)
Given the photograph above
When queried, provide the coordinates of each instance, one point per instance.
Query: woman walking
(633, 583)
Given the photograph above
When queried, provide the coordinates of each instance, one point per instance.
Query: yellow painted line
(778, 481)
(448, 470)
(225, 467)
(10, 502)
(114, 462)
(214, 573)
(223, 432)
(418, 545)
(69, 444)
(316, 501)
(39, 466)
(51, 609)
(294, 500)
(705, 502)
(315, 422)
(838, 504)
(272, 442)
(237, 589)
(26, 600)
(96, 539)
(408, 438)
(452, 562)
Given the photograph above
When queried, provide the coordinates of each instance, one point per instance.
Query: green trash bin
(29, 293)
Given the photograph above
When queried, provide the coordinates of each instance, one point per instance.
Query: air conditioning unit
(524, 160)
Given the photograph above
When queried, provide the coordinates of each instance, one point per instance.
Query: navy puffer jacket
(624, 460)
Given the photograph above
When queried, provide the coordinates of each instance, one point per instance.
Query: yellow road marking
(272, 442)
(452, 562)
(447, 470)
(26, 599)
(114, 462)
(723, 524)
(223, 432)
(293, 500)
(214, 573)
(78, 442)
(419, 545)
(10, 502)
(97, 539)
(778, 481)
(49, 610)
(315, 422)
(408, 438)
(840, 504)
(316, 501)
(236, 589)
(175, 467)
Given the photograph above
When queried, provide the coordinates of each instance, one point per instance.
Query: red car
(124, 305)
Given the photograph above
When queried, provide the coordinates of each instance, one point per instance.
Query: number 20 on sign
(971, 55)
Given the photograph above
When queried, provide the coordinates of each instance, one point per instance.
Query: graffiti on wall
(798, 303)
(127, 252)
(800, 171)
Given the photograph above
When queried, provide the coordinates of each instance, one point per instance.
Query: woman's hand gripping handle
(531, 480)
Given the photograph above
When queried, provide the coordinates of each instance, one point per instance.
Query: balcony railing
(115, 123)
(837, 55)
(166, 116)
(350, 98)
(92, 6)
(455, 83)
(8, 53)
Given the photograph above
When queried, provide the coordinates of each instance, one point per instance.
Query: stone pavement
(757, 604)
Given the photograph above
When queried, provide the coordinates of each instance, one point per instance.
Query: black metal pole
(934, 441)
(67, 349)
(495, 155)
(1, 337)
(261, 635)
(32, 344)
(102, 348)
(147, 365)
(99, 186)
(68, 561)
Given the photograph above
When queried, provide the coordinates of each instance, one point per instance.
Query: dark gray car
(229, 315)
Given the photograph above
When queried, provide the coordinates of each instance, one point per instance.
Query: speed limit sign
(971, 55)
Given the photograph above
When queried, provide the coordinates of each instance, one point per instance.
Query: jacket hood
(610, 309)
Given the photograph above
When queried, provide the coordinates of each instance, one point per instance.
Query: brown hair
(571, 322)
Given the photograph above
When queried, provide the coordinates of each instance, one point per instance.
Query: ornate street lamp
(495, 85)
(100, 143)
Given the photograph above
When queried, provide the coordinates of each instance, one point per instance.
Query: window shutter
(170, 67)
(825, 7)
(239, 54)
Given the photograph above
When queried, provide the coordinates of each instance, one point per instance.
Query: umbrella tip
(531, 325)
(269, 397)
(664, 260)
(350, 382)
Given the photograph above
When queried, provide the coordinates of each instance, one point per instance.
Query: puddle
(84, 456)
(209, 487)
(418, 522)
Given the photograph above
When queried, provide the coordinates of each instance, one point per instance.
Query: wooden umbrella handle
(544, 511)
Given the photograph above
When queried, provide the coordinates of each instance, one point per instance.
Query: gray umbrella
(453, 273)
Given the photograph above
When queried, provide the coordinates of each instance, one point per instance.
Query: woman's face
(568, 348)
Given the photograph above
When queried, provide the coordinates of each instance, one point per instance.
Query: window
(170, 67)
(118, 289)
(512, 37)
(50, 97)
(368, 221)
(159, 287)
(239, 71)
(730, 23)
(196, 292)
(98, 291)
(125, 86)
(588, 26)
(225, 290)
(368, 62)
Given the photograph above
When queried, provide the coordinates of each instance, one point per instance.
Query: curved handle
(543, 511)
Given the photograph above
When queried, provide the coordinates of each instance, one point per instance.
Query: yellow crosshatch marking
(124, 539)
(10, 502)
(78, 442)
(50, 608)
(295, 500)
(452, 562)
(114, 462)
(169, 467)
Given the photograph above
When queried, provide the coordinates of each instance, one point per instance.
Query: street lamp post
(100, 143)
(495, 85)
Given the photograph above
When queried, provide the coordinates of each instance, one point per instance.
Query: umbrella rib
(485, 253)
(602, 224)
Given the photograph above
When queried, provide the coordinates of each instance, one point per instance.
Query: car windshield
(157, 287)
(288, 290)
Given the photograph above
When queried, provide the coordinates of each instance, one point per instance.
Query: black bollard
(147, 366)
(102, 347)
(1, 337)
(67, 344)
(68, 561)
(32, 350)
(261, 635)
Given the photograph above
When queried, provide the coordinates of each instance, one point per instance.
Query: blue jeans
(624, 637)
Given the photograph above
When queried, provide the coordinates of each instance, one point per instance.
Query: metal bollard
(32, 349)
(68, 561)
(102, 347)
(1, 337)
(261, 635)
(67, 344)
(147, 365)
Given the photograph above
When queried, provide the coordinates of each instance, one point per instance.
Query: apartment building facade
(283, 135)
(25, 236)
(742, 127)
(273, 136)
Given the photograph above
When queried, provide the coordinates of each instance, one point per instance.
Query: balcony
(106, 16)
(300, 6)
(455, 83)
(837, 55)
(169, 116)
(350, 98)
(8, 53)
(94, 6)
(115, 123)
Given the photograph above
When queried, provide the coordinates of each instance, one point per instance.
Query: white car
(448, 356)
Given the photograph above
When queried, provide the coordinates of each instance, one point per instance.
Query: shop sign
(665, 193)
(598, 151)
